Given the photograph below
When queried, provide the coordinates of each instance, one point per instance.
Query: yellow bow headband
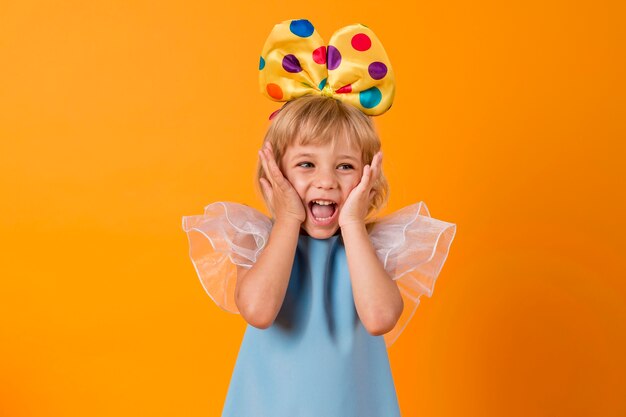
(354, 68)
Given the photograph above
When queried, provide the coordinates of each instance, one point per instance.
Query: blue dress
(316, 359)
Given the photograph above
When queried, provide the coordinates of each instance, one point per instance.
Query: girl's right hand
(285, 203)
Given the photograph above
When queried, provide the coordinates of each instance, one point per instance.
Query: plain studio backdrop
(118, 118)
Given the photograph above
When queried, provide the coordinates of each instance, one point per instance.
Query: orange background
(117, 118)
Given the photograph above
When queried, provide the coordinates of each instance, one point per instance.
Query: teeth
(323, 203)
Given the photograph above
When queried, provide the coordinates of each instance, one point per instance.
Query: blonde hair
(319, 120)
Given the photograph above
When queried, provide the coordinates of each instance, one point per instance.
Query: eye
(305, 164)
(345, 167)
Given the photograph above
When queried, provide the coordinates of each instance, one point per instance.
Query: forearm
(260, 292)
(376, 296)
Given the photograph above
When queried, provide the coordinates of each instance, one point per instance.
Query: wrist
(287, 223)
(353, 226)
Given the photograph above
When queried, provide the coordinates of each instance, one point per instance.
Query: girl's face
(323, 178)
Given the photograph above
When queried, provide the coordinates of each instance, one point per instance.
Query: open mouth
(323, 211)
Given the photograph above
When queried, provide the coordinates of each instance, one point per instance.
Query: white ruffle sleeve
(227, 235)
(411, 245)
(413, 248)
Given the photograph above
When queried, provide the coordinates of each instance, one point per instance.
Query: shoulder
(408, 231)
(224, 241)
(413, 247)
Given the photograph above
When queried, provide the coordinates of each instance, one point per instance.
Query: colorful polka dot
(297, 55)
(361, 42)
(319, 55)
(377, 70)
(370, 97)
(302, 28)
(291, 63)
(274, 91)
(345, 89)
(333, 57)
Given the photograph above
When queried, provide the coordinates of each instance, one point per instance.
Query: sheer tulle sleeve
(413, 248)
(227, 235)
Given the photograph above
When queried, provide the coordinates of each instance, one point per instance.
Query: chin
(320, 233)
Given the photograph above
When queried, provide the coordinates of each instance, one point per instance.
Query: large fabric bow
(353, 68)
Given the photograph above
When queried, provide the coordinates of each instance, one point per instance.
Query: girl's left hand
(357, 204)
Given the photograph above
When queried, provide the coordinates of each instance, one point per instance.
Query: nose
(326, 179)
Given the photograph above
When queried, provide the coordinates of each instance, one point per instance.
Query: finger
(376, 163)
(365, 178)
(267, 190)
(277, 175)
(376, 167)
(266, 169)
(375, 170)
(271, 169)
(266, 187)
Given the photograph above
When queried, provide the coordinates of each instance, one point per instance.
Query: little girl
(323, 280)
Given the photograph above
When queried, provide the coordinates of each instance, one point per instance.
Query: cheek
(350, 183)
(299, 184)
(356, 178)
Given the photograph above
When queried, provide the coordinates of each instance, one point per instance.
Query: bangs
(331, 128)
(314, 120)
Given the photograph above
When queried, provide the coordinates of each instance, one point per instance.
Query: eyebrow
(310, 155)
